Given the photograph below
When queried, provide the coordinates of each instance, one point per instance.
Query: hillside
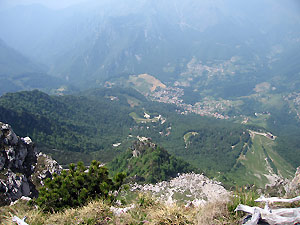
(145, 83)
(269, 108)
(146, 162)
(260, 164)
(13, 62)
(84, 123)
(18, 72)
(82, 127)
(75, 124)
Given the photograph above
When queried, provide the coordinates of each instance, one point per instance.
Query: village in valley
(206, 107)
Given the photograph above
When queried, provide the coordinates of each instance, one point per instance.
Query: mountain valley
(154, 111)
(165, 91)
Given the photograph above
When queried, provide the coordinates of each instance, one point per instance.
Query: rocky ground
(189, 188)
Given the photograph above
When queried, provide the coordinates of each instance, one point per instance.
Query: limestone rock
(16, 154)
(20, 166)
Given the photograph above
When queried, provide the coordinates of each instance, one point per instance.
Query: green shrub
(77, 186)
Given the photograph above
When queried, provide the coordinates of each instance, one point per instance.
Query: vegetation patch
(77, 186)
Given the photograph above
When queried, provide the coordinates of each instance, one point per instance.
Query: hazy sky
(56, 4)
(49, 3)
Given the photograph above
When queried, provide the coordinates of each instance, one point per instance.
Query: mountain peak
(146, 162)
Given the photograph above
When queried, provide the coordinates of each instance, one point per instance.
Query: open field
(187, 136)
(142, 120)
(145, 83)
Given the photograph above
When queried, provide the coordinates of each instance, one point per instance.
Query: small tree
(78, 185)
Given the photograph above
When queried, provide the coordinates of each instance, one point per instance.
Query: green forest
(98, 124)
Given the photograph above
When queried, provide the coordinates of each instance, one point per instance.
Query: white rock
(27, 140)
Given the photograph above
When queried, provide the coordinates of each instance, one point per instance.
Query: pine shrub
(77, 186)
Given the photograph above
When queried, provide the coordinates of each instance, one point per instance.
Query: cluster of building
(197, 68)
(168, 95)
(203, 111)
(172, 95)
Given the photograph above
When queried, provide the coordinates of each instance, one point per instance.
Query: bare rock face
(18, 166)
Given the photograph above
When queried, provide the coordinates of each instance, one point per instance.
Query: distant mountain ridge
(18, 72)
(13, 62)
(94, 41)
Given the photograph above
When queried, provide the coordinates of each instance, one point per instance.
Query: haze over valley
(155, 88)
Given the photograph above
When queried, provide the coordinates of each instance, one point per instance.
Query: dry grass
(154, 212)
(20, 209)
(95, 212)
(147, 211)
(216, 213)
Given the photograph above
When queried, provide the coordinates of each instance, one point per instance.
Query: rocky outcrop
(285, 187)
(20, 166)
(17, 154)
(44, 168)
(294, 186)
(139, 147)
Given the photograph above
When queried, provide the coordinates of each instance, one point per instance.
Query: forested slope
(102, 123)
(77, 124)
